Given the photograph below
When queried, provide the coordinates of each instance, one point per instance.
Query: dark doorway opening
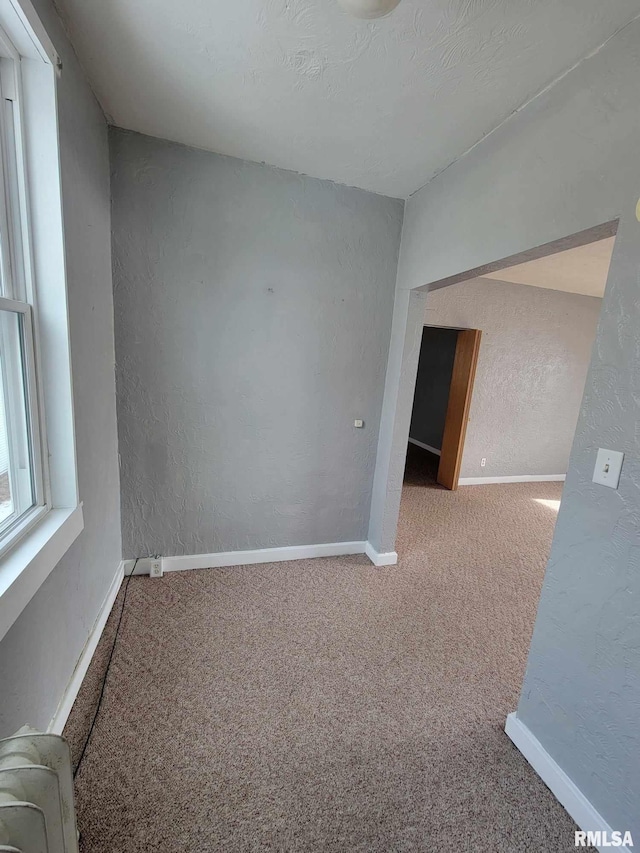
(442, 398)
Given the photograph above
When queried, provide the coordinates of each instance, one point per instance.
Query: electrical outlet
(151, 566)
(483, 462)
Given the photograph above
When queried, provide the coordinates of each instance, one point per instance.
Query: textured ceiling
(300, 84)
(581, 270)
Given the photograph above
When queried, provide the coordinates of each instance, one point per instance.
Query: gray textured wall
(253, 314)
(535, 351)
(568, 162)
(39, 654)
(435, 366)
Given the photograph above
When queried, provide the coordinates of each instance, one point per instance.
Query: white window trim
(27, 566)
(35, 472)
(51, 529)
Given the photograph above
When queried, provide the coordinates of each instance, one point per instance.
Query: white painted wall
(534, 354)
(252, 315)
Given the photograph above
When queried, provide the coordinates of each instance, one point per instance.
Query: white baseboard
(388, 558)
(519, 478)
(197, 561)
(61, 715)
(425, 446)
(561, 786)
(259, 555)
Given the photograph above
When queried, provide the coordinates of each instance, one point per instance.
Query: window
(22, 476)
(40, 510)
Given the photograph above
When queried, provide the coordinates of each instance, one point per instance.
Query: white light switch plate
(608, 467)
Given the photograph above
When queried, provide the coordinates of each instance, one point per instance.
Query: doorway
(442, 398)
(408, 324)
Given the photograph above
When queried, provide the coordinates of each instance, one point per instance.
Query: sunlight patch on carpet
(554, 505)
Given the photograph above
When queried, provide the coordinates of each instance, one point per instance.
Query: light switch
(608, 467)
(358, 424)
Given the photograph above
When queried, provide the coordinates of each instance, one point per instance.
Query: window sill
(26, 567)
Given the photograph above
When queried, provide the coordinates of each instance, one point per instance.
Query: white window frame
(28, 76)
(15, 259)
(15, 526)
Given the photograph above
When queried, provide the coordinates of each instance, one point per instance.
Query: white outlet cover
(608, 468)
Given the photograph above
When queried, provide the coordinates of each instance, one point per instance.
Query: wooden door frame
(457, 418)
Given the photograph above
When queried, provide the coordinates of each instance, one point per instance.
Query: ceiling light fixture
(369, 8)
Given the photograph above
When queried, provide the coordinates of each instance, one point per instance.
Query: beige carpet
(327, 705)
